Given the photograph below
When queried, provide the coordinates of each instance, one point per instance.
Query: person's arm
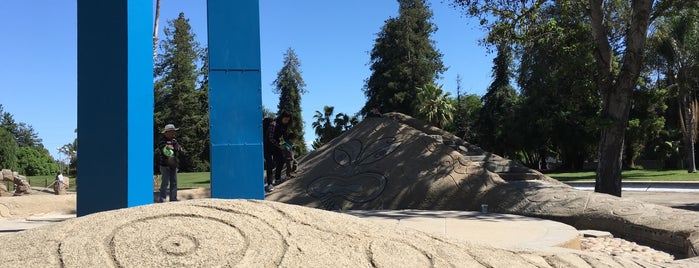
(270, 132)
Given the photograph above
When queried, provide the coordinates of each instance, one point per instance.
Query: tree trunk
(155, 29)
(616, 89)
(689, 129)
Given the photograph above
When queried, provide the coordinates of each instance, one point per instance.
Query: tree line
(579, 82)
(21, 149)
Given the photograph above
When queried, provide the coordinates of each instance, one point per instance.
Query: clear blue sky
(38, 66)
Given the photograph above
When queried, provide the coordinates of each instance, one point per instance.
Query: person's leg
(173, 185)
(269, 167)
(164, 179)
(279, 161)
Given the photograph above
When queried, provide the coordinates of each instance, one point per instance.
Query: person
(168, 150)
(59, 177)
(274, 156)
(375, 112)
(289, 160)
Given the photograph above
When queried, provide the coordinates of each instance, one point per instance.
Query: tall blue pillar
(235, 99)
(115, 105)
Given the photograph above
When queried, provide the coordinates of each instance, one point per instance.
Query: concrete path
(493, 229)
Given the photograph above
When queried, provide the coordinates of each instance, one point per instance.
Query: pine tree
(403, 59)
(178, 99)
(289, 85)
(498, 105)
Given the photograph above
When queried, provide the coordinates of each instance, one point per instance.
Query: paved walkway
(499, 230)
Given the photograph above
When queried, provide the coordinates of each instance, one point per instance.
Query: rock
(595, 233)
(60, 188)
(21, 185)
(7, 175)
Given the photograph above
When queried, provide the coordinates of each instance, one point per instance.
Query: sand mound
(241, 233)
(398, 162)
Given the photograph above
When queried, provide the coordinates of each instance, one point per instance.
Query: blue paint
(115, 105)
(235, 99)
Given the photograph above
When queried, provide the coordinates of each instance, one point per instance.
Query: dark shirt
(275, 131)
(163, 159)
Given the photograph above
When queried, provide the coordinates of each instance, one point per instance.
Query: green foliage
(32, 162)
(70, 150)
(16, 140)
(289, 85)
(403, 59)
(8, 150)
(327, 128)
(496, 117)
(435, 105)
(646, 123)
(180, 97)
(466, 112)
(559, 105)
(674, 46)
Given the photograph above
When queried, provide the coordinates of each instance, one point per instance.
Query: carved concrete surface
(241, 233)
(398, 162)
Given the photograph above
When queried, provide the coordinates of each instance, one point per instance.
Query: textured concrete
(226, 233)
(398, 162)
(498, 230)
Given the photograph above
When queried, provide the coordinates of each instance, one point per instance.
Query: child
(289, 160)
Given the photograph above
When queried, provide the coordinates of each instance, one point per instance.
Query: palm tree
(155, 29)
(675, 42)
(327, 129)
(434, 105)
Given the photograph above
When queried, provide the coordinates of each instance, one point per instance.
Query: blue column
(115, 105)
(235, 99)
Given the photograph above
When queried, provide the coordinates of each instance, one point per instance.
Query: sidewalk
(498, 230)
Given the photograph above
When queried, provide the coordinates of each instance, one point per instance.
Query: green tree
(470, 106)
(675, 42)
(328, 128)
(289, 85)
(8, 150)
(499, 104)
(436, 106)
(70, 150)
(403, 59)
(32, 162)
(179, 98)
(558, 112)
(646, 122)
(618, 29)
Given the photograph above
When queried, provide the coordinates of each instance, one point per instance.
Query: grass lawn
(193, 180)
(184, 180)
(203, 179)
(632, 175)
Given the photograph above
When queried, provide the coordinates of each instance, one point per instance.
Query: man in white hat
(168, 151)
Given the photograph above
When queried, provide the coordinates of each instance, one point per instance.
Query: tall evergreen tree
(289, 85)
(498, 106)
(178, 99)
(559, 107)
(403, 59)
(8, 150)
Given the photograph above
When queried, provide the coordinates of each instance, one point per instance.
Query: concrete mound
(398, 162)
(242, 233)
